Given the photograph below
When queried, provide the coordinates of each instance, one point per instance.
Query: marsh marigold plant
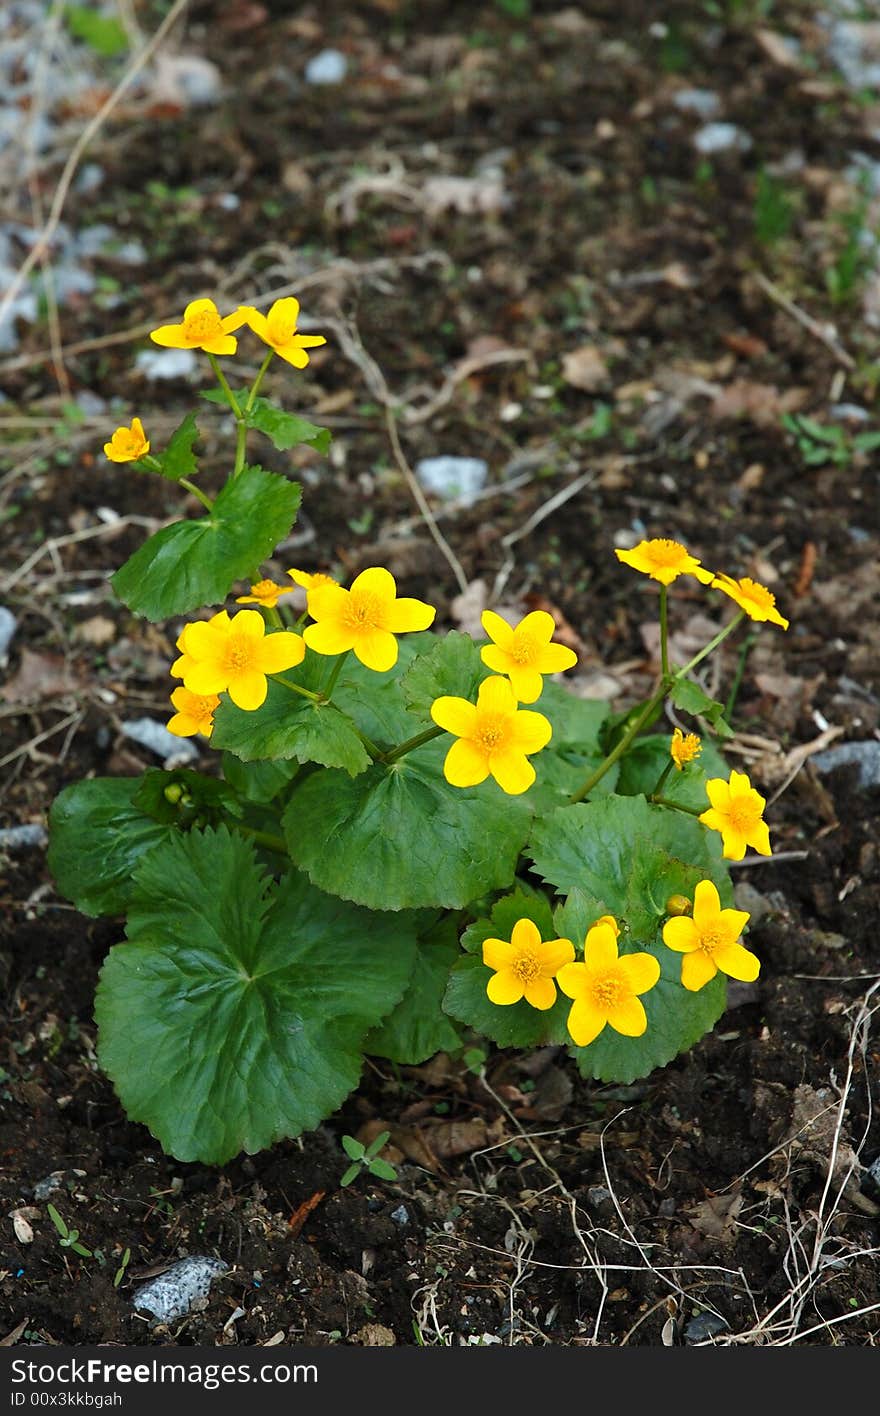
(388, 839)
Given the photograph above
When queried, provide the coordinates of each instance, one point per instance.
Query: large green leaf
(691, 698)
(290, 726)
(195, 563)
(514, 1024)
(96, 837)
(235, 1014)
(577, 722)
(676, 1018)
(401, 837)
(418, 1027)
(285, 430)
(178, 459)
(257, 781)
(452, 665)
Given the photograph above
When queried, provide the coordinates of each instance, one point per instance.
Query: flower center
(203, 327)
(127, 441)
(264, 589)
(280, 330)
(743, 815)
(239, 653)
(364, 611)
(667, 553)
(606, 990)
(710, 939)
(523, 649)
(526, 967)
(492, 732)
(759, 595)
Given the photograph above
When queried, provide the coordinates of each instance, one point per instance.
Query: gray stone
(400, 1215)
(703, 102)
(155, 737)
(453, 478)
(175, 1292)
(871, 1179)
(166, 363)
(703, 1327)
(48, 1185)
(716, 138)
(8, 626)
(21, 838)
(864, 755)
(328, 67)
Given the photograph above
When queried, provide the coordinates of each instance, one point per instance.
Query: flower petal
(251, 623)
(496, 696)
(285, 311)
(681, 934)
(696, 970)
(497, 954)
(738, 962)
(200, 307)
(555, 954)
(527, 686)
(707, 904)
(375, 581)
(328, 637)
(573, 979)
(325, 601)
(376, 649)
(183, 725)
(504, 988)
(759, 838)
(531, 731)
(496, 659)
(291, 354)
(281, 651)
(498, 630)
(525, 934)
(641, 971)
(585, 1022)
(170, 336)
(541, 993)
(555, 659)
(600, 948)
(465, 765)
(407, 615)
(248, 690)
(455, 715)
(512, 771)
(628, 1017)
(223, 344)
(204, 677)
(718, 792)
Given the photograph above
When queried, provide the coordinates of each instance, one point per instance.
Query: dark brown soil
(529, 1207)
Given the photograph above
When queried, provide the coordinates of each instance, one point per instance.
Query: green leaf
(353, 1149)
(400, 836)
(417, 1028)
(289, 726)
(178, 459)
(676, 1018)
(351, 1173)
(180, 797)
(382, 1169)
(286, 430)
(642, 766)
(97, 835)
(690, 698)
(235, 1013)
(195, 563)
(376, 1144)
(376, 701)
(576, 722)
(102, 33)
(627, 858)
(452, 665)
(514, 1024)
(257, 781)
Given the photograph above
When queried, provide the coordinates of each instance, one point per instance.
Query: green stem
(738, 676)
(262, 838)
(197, 492)
(334, 676)
(224, 385)
(240, 447)
(272, 616)
(635, 727)
(676, 805)
(664, 633)
(255, 386)
(661, 780)
(713, 644)
(411, 744)
(298, 688)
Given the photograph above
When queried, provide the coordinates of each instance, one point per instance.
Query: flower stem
(272, 616)
(664, 633)
(255, 386)
(334, 676)
(676, 805)
(411, 744)
(298, 688)
(713, 644)
(197, 492)
(224, 386)
(262, 838)
(635, 727)
(661, 780)
(738, 676)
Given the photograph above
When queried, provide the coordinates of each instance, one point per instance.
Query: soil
(727, 1197)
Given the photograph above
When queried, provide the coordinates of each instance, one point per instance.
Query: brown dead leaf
(585, 368)
(39, 676)
(759, 403)
(447, 1139)
(97, 631)
(404, 1142)
(778, 50)
(747, 346)
(716, 1217)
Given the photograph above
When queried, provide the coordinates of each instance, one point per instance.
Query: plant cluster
(412, 841)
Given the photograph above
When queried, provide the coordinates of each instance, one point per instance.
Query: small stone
(864, 755)
(871, 1179)
(597, 1195)
(328, 67)
(703, 1327)
(400, 1215)
(22, 838)
(8, 626)
(175, 1292)
(703, 102)
(715, 138)
(746, 897)
(453, 478)
(48, 1185)
(166, 363)
(156, 738)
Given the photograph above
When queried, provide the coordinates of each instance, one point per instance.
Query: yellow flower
(525, 966)
(494, 738)
(364, 618)
(684, 748)
(278, 330)
(709, 941)
(311, 580)
(664, 561)
(264, 593)
(127, 444)
(201, 328)
(736, 812)
(605, 986)
(195, 713)
(182, 666)
(236, 656)
(758, 602)
(524, 652)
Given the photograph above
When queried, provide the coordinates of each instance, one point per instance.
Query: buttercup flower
(201, 328)
(181, 667)
(709, 941)
(525, 967)
(278, 330)
(311, 580)
(195, 713)
(758, 602)
(364, 618)
(684, 748)
(494, 738)
(237, 656)
(605, 987)
(264, 593)
(127, 444)
(736, 812)
(664, 561)
(525, 652)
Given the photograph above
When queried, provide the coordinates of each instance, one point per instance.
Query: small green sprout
(120, 1272)
(67, 1238)
(367, 1158)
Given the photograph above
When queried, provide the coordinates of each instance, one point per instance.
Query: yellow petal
(248, 690)
(251, 623)
(537, 625)
(375, 581)
(555, 954)
(455, 715)
(541, 993)
(628, 1017)
(311, 341)
(205, 678)
(291, 354)
(573, 979)
(199, 307)
(585, 1021)
(406, 615)
(759, 838)
(555, 659)
(223, 344)
(497, 954)
(681, 934)
(286, 311)
(170, 337)
(498, 660)
(281, 651)
(527, 686)
(236, 319)
(512, 771)
(526, 934)
(496, 696)
(738, 962)
(376, 649)
(465, 765)
(497, 629)
(718, 792)
(600, 948)
(504, 988)
(328, 637)
(641, 971)
(696, 970)
(328, 601)
(257, 321)
(531, 731)
(707, 905)
(182, 725)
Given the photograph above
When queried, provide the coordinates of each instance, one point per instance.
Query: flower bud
(678, 905)
(172, 793)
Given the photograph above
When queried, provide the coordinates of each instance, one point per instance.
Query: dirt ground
(502, 220)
